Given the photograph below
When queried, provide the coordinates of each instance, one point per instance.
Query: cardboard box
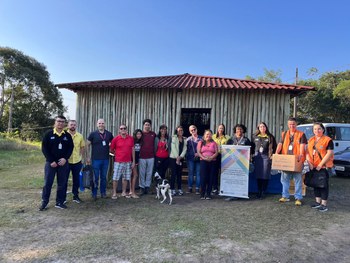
(285, 162)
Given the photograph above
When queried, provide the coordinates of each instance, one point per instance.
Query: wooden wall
(131, 106)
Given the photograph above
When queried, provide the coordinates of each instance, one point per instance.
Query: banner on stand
(234, 179)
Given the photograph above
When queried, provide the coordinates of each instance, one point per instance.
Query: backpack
(86, 177)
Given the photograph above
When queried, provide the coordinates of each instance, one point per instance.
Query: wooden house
(183, 99)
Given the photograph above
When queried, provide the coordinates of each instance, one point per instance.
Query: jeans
(62, 178)
(75, 168)
(146, 170)
(100, 172)
(194, 170)
(285, 180)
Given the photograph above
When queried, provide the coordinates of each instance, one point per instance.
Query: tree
(270, 75)
(330, 101)
(26, 94)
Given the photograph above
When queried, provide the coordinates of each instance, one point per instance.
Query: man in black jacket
(57, 147)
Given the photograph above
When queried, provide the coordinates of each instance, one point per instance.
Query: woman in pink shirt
(207, 151)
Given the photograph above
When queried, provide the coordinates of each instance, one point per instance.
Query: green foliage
(270, 75)
(329, 102)
(36, 99)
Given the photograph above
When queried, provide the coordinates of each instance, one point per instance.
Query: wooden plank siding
(163, 105)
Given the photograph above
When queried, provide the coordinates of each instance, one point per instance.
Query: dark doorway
(198, 117)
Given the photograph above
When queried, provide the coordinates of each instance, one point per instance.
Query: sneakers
(202, 198)
(284, 199)
(173, 192)
(180, 192)
(61, 206)
(43, 206)
(208, 198)
(316, 205)
(297, 202)
(323, 208)
(215, 192)
(189, 191)
(76, 199)
(197, 192)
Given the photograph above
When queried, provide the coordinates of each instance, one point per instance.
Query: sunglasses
(193, 130)
(122, 128)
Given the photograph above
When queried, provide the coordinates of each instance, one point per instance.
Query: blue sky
(86, 40)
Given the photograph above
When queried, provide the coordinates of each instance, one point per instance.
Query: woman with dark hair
(207, 150)
(320, 156)
(264, 145)
(221, 139)
(135, 171)
(177, 154)
(162, 150)
(238, 137)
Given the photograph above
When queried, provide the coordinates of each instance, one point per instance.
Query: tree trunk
(9, 126)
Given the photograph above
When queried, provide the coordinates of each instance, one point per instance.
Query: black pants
(262, 185)
(208, 171)
(322, 192)
(75, 168)
(176, 174)
(162, 165)
(61, 173)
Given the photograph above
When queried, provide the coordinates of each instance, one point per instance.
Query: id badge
(290, 147)
(261, 149)
(103, 143)
(60, 146)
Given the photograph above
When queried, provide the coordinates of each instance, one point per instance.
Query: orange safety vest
(321, 147)
(296, 143)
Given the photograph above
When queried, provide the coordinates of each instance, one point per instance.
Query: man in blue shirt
(99, 141)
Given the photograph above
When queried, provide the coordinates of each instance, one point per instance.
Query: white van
(339, 132)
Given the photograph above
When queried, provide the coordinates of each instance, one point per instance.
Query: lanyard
(103, 138)
(238, 142)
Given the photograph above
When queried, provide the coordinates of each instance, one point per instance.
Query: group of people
(137, 157)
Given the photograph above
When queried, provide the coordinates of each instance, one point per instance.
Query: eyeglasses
(193, 130)
(122, 128)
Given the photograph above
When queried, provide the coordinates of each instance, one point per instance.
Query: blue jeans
(100, 172)
(193, 170)
(62, 178)
(285, 180)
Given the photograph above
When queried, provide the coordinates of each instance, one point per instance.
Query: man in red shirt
(146, 161)
(122, 147)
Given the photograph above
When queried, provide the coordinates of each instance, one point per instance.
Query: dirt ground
(190, 230)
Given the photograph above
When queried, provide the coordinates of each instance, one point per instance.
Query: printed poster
(234, 179)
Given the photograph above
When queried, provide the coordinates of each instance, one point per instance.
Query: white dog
(163, 187)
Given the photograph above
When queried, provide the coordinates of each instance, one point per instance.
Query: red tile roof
(184, 81)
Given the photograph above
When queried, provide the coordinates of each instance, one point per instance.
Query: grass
(191, 230)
